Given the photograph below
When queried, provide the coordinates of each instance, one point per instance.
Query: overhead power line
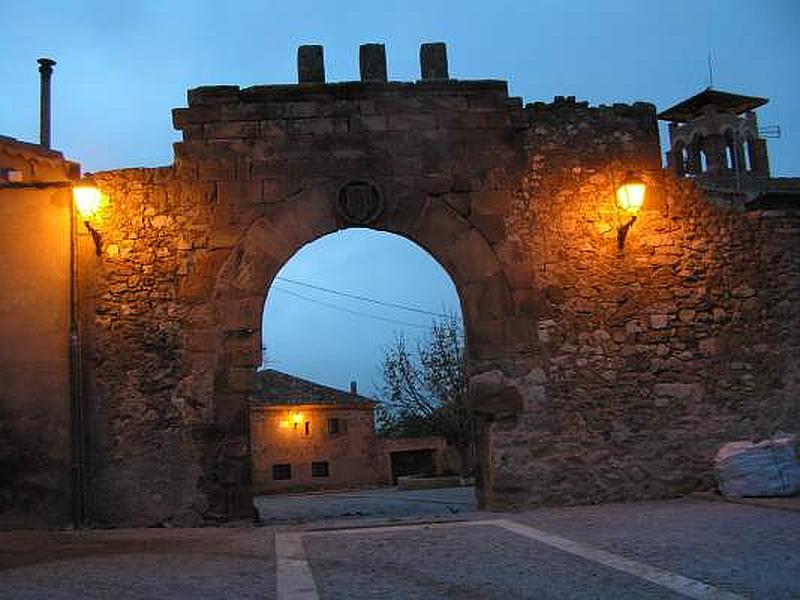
(364, 298)
(350, 311)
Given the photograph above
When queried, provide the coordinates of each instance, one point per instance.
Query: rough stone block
(273, 128)
(239, 192)
(496, 402)
(310, 64)
(213, 94)
(368, 123)
(433, 61)
(231, 129)
(183, 117)
(313, 126)
(216, 170)
(679, 391)
(202, 340)
(372, 62)
(493, 227)
(490, 202)
(659, 321)
(249, 111)
(302, 110)
(411, 121)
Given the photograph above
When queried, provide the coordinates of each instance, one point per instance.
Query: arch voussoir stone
(473, 257)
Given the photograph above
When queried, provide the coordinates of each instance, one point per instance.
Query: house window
(337, 426)
(319, 469)
(281, 471)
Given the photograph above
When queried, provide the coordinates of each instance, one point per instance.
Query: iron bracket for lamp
(622, 233)
(96, 237)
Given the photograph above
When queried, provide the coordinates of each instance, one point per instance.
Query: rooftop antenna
(710, 73)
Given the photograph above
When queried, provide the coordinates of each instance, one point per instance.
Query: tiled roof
(28, 150)
(276, 388)
(725, 101)
(18, 155)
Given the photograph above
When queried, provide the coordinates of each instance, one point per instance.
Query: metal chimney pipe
(353, 388)
(45, 72)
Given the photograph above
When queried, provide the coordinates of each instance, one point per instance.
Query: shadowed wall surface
(34, 329)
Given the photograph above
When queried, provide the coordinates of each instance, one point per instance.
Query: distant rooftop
(724, 101)
(277, 388)
(27, 149)
(34, 163)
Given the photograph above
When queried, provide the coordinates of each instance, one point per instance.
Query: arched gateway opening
(338, 303)
(361, 380)
(271, 240)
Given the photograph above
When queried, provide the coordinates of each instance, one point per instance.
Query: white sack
(768, 468)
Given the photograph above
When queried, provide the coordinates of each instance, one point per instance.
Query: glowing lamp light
(630, 195)
(630, 198)
(87, 200)
(297, 418)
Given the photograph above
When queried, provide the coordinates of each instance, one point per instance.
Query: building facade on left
(36, 267)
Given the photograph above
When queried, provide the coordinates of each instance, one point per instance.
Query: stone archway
(270, 241)
(583, 358)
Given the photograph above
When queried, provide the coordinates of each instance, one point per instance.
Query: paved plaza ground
(415, 545)
(377, 503)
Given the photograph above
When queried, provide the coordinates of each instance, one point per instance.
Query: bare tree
(425, 391)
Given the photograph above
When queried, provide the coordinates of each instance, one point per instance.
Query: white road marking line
(672, 581)
(294, 579)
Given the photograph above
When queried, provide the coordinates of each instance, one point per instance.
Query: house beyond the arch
(310, 436)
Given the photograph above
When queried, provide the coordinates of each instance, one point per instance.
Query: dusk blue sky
(122, 66)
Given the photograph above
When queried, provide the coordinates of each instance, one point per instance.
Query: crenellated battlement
(566, 106)
(272, 116)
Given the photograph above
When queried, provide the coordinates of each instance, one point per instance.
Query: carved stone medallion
(359, 203)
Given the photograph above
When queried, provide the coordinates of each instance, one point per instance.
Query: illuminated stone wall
(642, 362)
(597, 374)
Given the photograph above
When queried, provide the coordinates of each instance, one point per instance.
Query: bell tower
(714, 138)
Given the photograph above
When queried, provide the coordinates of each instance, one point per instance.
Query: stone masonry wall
(598, 374)
(643, 361)
(151, 422)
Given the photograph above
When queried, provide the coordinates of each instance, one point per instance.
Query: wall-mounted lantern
(630, 198)
(297, 418)
(87, 199)
(292, 421)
